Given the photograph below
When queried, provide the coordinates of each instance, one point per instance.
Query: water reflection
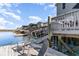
(8, 38)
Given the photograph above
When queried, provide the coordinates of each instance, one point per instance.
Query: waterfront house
(63, 8)
(65, 28)
(66, 19)
(40, 24)
(24, 27)
(45, 24)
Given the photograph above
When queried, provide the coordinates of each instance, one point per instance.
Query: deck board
(52, 52)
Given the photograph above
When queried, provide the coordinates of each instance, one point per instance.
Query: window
(71, 24)
(63, 6)
(68, 24)
(63, 23)
(76, 6)
(76, 23)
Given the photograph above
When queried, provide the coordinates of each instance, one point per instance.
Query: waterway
(8, 38)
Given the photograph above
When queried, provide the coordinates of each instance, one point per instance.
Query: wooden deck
(8, 51)
(52, 52)
(66, 35)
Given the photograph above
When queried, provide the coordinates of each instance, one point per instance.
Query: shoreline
(8, 50)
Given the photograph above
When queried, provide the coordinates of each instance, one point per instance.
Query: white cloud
(9, 12)
(41, 4)
(16, 4)
(17, 17)
(35, 19)
(5, 4)
(45, 8)
(18, 11)
(45, 20)
(3, 23)
(49, 6)
(2, 27)
(8, 4)
(17, 26)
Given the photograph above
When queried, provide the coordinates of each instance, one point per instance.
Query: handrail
(66, 23)
(65, 13)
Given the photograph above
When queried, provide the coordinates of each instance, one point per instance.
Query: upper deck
(66, 24)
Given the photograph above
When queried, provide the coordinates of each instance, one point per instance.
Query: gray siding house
(63, 8)
(67, 19)
(65, 28)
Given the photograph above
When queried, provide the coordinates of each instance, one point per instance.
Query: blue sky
(13, 15)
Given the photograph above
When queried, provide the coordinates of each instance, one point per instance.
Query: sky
(13, 15)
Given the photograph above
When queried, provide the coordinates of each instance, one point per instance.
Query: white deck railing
(67, 23)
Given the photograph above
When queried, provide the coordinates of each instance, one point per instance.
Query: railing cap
(65, 14)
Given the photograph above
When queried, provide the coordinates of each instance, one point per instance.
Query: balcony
(66, 24)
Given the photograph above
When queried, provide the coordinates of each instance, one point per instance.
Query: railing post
(49, 31)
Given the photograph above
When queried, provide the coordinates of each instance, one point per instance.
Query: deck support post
(49, 31)
(65, 45)
(53, 42)
(59, 45)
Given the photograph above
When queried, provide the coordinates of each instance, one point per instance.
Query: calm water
(8, 38)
